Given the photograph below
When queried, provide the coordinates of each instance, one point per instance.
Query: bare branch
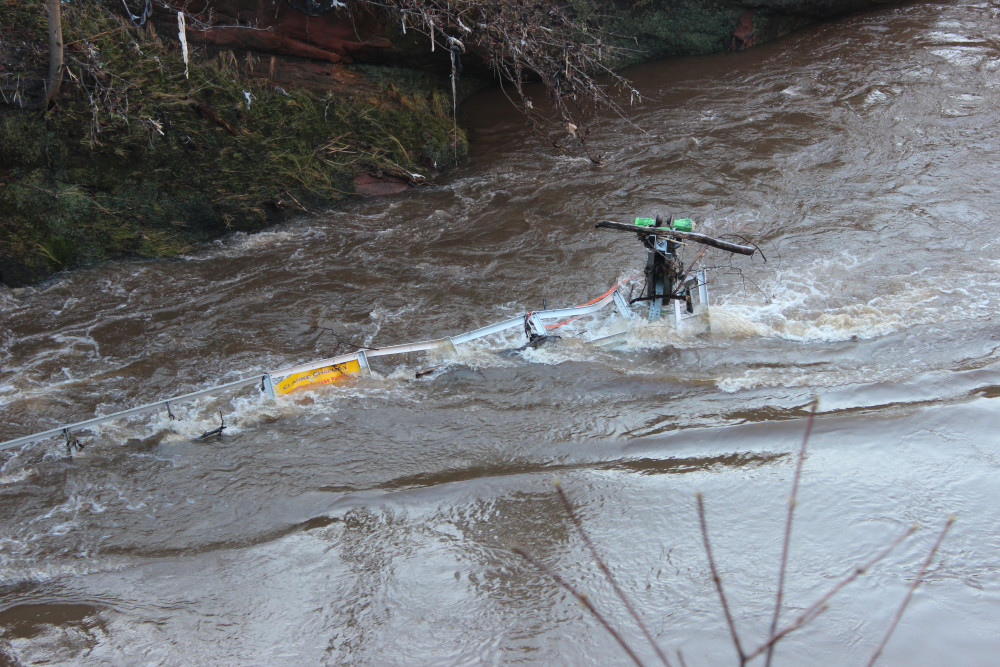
(913, 587)
(792, 500)
(531, 39)
(718, 581)
(819, 606)
(607, 572)
(583, 599)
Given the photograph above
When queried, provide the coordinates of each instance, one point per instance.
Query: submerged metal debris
(667, 287)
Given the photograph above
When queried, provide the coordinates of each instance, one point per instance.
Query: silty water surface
(373, 522)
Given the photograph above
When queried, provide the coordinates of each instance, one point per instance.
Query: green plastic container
(645, 222)
(683, 224)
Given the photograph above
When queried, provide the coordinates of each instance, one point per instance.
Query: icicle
(182, 35)
(429, 24)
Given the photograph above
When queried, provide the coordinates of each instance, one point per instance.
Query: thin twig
(584, 600)
(574, 517)
(686, 274)
(718, 581)
(819, 606)
(913, 587)
(563, 52)
(792, 501)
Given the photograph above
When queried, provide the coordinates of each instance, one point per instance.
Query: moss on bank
(652, 28)
(135, 158)
(647, 29)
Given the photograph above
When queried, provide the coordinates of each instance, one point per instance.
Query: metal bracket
(678, 312)
(363, 363)
(658, 286)
(702, 288)
(623, 305)
(267, 385)
(533, 327)
(72, 442)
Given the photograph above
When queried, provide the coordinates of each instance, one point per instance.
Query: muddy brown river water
(372, 522)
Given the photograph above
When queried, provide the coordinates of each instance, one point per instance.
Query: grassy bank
(136, 158)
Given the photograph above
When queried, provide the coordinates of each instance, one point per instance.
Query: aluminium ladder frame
(533, 320)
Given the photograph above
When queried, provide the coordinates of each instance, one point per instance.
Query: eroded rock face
(278, 28)
(294, 49)
(274, 27)
(291, 42)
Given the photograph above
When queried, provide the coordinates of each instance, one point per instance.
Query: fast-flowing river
(373, 522)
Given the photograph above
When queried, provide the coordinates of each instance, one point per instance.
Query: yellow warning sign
(317, 376)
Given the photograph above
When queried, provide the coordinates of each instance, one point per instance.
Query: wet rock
(367, 184)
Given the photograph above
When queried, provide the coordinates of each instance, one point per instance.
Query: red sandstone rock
(274, 27)
(375, 185)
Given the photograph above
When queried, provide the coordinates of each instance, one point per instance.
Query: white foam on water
(59, 540)
(646, 335)
(26, 385)
(728, 323)
(18, 543)
(242, 243)
(27, 569)
(8, 297)
(788, 377)
(815, 304)
(18, 476)
(191, 420)
(855, 321)
(75, 344)
(73, 506)
(381, 316)
(53, 369)
(482, 352)
(47, 532)
(566, 350)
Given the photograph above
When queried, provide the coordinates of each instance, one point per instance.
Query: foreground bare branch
(820, 605)
(607, 573)
(792, 501)
(718, 581)
(581, 597)
(913, 587)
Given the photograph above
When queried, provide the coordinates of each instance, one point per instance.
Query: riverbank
(145, 152)
(142, 154)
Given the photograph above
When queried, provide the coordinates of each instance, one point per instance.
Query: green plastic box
(683, 224)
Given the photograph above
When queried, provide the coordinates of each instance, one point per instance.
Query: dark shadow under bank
(143, 155)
